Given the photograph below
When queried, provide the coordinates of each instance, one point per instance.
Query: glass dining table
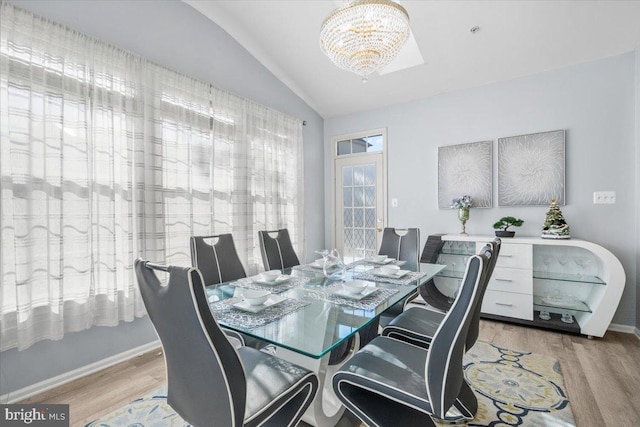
(307, 316)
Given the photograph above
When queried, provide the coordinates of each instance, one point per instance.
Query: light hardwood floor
(602, 376)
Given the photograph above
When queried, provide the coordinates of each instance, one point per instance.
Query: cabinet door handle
(505, 256)
(506, 304)
(503, 280)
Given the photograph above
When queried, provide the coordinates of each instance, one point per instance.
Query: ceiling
(516, 38)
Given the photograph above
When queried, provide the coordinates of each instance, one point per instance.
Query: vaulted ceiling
(515, 38)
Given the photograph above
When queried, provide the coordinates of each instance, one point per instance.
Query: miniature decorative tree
(504, 223)
(555, 227)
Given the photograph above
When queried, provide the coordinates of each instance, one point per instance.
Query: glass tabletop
(321, 317)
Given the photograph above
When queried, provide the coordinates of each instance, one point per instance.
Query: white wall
(594, 102)
(175, 35)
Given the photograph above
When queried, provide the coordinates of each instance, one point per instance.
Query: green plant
(506, 222)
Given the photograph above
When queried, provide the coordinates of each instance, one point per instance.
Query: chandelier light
(363, 36)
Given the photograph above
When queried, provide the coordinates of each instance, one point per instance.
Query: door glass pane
(370, 242)
(358, 239)
(358, 175)
(370, 218)
(348, 243)
(347, 176)
(348, 217)
(370, 197)
(370, 175)
(348, 197)
(358, 217)
(358, 196)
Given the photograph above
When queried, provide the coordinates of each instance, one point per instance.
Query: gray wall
(637, 115)
(174, 35)
(594, 102)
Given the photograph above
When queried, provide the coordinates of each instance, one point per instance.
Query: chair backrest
(404, 247)
(443, 367)
(206, 380)
(277, 252)
(491, 250)
(218, 262)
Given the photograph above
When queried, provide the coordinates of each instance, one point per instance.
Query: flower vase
(463, 216)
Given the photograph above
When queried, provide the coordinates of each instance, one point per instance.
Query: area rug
(514, 388)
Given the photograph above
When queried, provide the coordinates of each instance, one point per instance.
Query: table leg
(326, 409)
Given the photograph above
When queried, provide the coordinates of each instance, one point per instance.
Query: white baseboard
(627, 329)
(32, 390)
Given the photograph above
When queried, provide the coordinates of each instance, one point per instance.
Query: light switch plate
(604, 197)
(394, 203)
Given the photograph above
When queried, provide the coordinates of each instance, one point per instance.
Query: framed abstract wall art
(531, 169)
(465, 169)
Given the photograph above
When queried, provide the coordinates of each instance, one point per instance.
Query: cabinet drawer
(513, 255)
(508, 304)
(511, 280)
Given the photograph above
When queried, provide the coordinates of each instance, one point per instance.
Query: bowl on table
(269, 276)
(355, 286)
(389, 269)
(378, 258)
(255, 296)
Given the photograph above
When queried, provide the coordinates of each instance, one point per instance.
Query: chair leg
(465, 407)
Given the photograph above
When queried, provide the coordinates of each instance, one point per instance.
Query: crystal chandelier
(363, 36)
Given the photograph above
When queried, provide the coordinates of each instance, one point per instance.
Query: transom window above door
(365, 144)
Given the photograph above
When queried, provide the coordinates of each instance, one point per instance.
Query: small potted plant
(504, 223)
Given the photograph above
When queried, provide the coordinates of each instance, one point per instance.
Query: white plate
(383, 262)
(321, 265)
(344, 294)
(272, 300)
(283, 278)
(397, 275)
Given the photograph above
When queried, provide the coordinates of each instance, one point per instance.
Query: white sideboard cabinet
(571, 285)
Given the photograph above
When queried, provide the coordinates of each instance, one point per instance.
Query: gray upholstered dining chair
(209, 381)
(277, 252)
(393, 383)
(418, 325)
(402, 244)
(219, 261)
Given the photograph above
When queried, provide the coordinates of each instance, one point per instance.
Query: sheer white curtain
(229, 166)
(105, 157)
(275, 175)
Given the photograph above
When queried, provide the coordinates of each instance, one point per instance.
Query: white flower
(462, 202)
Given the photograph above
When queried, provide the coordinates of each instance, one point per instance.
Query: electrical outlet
(394, 203)
(604, 198)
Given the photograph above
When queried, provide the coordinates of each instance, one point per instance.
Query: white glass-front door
(359, 204)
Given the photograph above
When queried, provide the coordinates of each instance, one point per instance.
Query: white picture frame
(466, 169)
(531, 169)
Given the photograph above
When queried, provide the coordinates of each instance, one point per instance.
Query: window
(366, 144)
(105, 157)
